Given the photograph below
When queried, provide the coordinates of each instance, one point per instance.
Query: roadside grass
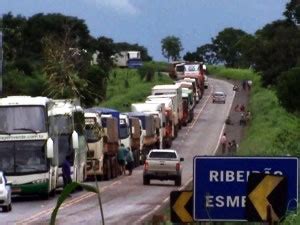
(125, 87)
(272, 131)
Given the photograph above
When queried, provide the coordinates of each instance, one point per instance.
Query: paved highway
(125, 199)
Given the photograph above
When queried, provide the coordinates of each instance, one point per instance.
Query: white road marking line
(223, 127)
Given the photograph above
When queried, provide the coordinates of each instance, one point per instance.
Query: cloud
(121, 6)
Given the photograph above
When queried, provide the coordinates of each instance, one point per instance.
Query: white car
(219, 96)
(162, 164)
(5, 194)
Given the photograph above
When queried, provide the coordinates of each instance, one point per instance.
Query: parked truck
(169, 124)
(94, 136)
(172, 89)
(195, 70)
(67, 129)
(188, 105)
(158, 111)
(130, 59)
(130, 135)
(148, 138)
(110, 120)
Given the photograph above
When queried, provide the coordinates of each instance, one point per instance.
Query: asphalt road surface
(125, 199)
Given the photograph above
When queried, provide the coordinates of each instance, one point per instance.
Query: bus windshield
(22, 119)
(23, 157)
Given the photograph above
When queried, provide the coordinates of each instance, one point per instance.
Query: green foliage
(277, 50)
(146, 72)
(171, 47)
(288, 89)
(17, 83)
(64, 195)
(225, 45)
(119, 97)
(292, 12)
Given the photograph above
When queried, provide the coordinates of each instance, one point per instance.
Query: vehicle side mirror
(75, 140)
(50, 148)
(181, 159)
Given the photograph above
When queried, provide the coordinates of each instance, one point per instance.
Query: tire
(213, 101)
(146, 181)
(113, 168)
(107, 175)
(5, 208)
(178, 181)
(10, 207)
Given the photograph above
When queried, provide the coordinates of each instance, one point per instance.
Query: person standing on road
(66, 171)
(121, 158)
(129, 161)
(223, 143)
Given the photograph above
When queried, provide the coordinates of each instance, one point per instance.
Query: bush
(288, 89)
(146, 72)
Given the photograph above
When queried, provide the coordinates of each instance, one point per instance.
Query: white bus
(67, 127)
(26, 149)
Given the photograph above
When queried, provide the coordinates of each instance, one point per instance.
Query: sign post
(220, 184)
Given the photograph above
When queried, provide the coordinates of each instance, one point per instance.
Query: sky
(147, 22)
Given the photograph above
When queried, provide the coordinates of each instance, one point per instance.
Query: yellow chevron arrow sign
(259, 196)
(179, 206)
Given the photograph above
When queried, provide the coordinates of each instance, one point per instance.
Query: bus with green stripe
(26, 148)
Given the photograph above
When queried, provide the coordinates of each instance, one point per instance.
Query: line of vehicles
(37, 133)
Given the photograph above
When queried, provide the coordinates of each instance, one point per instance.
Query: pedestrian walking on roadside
(244, 83)
(242, 108)
(129, 161)
(237, 108)
(249, 84)
(233, 146)
(122, 152)
(66, 171)
(223, 143)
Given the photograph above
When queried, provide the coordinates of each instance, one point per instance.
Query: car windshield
(191, 68)
(163, 155)
(22, 119)
(218, 94)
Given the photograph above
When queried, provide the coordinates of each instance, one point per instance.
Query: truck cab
(94, 133)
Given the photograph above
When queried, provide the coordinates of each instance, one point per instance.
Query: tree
(288, 89)
(225, 46)
(276, 49)
(63, 79)
(56, 25)
(13, 35)
(192, 56)
(208, 53)
(292, 12)
(171, 47)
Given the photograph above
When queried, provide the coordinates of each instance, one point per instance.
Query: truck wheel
(107, 170)
(146, 181)
(113, 167)
(178, 181)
